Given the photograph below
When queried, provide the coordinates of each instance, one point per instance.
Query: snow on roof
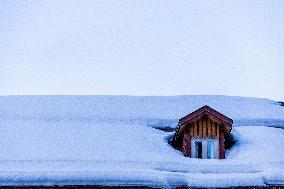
(134, 107)
(206, 109)
(85, 140)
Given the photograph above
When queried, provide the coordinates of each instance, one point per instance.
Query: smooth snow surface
(107, 140)
(154, 111)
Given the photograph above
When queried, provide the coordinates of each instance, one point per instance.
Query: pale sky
(142, 48)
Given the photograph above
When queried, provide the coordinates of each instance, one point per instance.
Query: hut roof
(202, 110)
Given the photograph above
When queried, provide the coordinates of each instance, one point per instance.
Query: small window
(204, 148)
(210, 150)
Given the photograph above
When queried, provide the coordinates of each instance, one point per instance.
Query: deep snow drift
(107, 140)
(153, 110)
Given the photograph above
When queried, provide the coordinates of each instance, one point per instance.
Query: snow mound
(157, 111)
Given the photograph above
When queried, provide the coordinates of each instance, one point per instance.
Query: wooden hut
(201, 134)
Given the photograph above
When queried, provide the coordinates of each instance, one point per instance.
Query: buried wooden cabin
(201, 134)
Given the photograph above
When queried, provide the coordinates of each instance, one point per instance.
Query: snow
(151, 110)
(107, 140)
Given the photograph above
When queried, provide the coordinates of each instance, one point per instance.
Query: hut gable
(201, 134)
(206, 110)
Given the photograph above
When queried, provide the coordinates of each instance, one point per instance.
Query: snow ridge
(152, 110)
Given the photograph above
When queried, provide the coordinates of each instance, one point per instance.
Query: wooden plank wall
(204, 129)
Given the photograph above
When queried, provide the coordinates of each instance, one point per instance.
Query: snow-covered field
(109, 140)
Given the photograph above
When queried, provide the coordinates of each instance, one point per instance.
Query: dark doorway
(198, 147)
